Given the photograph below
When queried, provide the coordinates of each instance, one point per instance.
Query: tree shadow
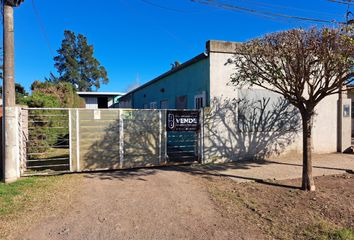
(245, 131)
(211, 172)
(140, 135)
(122, 175)
(200, 171)
(250, 129)
(314, 166)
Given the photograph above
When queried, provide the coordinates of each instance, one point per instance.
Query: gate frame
(21, 109)
(162, 158)
(70, 144)
(199, 134)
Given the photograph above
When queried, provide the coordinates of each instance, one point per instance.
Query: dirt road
(142, 204)
(177, 202)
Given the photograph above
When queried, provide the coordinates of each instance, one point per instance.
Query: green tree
(40, 100)
(302, 66)
(77, 65)
(48, 127)
(21, 93)
(52, 94)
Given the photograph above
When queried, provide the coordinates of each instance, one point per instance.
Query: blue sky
(137, 40)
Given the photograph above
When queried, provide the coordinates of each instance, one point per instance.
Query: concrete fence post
(11, 147)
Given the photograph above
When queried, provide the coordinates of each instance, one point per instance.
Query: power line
(182, 11)
(42, 27)
(288, 8)
(232, 7)
(162, 7)
(347, 2)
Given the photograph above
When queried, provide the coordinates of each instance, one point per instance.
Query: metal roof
(100, 93)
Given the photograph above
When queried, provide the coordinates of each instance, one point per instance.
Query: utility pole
(10, 164)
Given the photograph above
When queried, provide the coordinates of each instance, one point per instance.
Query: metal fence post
(201, 141)
(70, 142)
(160, 135)
(77, 140)
(166, 140)
(121, 139)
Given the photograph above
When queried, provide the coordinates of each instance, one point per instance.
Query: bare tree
(303, 66)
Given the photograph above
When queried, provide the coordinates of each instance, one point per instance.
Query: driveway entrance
(75, 140)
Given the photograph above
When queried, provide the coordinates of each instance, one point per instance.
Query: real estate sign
(182, 120)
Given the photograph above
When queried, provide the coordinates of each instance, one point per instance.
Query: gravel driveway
(164, 203)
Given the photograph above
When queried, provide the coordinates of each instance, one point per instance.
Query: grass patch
(323, 231)
(30, 199)
(25, 192)
(9, 193)
(55, 153)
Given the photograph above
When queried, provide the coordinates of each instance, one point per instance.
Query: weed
(324, 231)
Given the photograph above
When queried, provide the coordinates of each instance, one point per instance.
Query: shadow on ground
(206, 171)
(121, 175)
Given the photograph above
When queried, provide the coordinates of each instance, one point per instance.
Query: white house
(233, 126)
(95, 100)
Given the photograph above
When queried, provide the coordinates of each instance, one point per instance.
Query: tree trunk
(307, 179)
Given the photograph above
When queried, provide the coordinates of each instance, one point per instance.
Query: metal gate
(47, 141)
(183, 135)
(182, 147)
(74, 140)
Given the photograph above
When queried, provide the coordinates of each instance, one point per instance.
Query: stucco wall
(223, 140)
(269, 125)
(190, 81)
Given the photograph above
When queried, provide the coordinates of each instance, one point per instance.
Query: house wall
(126, 102)
(224, 140)
(260, 125)
(189, 81)
(91, 102)
(351, 96)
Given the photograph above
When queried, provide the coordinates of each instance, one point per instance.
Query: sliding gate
(74, 140)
